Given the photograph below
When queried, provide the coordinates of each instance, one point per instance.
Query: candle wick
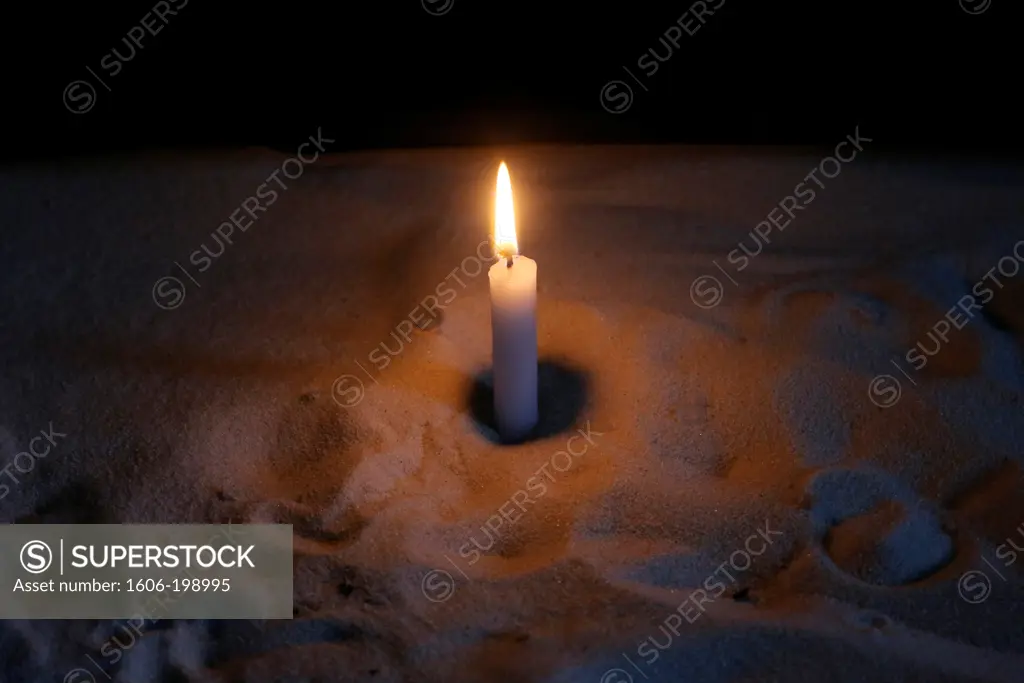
(508, 261)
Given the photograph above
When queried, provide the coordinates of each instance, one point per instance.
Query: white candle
(513, 281)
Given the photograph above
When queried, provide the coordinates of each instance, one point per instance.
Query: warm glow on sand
(504, 215)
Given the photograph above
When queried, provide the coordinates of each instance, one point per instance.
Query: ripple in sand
(875, 531)
(889, 545)
(677, 418)
(821, 435)
(829, 319)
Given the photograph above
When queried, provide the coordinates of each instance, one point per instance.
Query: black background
(387, 73)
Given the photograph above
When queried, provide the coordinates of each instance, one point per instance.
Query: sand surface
(742, 479)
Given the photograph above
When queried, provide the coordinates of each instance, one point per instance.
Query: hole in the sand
(890, 545)
(563, 393)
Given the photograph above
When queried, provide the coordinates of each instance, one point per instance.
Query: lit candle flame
(505, 243)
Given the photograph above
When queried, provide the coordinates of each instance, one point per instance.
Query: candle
(513, 281)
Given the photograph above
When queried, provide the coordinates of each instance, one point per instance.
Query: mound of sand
(766, 488)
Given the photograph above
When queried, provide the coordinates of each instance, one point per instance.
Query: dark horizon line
(880, 148)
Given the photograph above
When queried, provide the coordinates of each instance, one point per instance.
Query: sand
(740, 479)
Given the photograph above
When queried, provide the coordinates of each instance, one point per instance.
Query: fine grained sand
(742, 508)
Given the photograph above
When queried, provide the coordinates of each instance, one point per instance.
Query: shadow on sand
(563, 393)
